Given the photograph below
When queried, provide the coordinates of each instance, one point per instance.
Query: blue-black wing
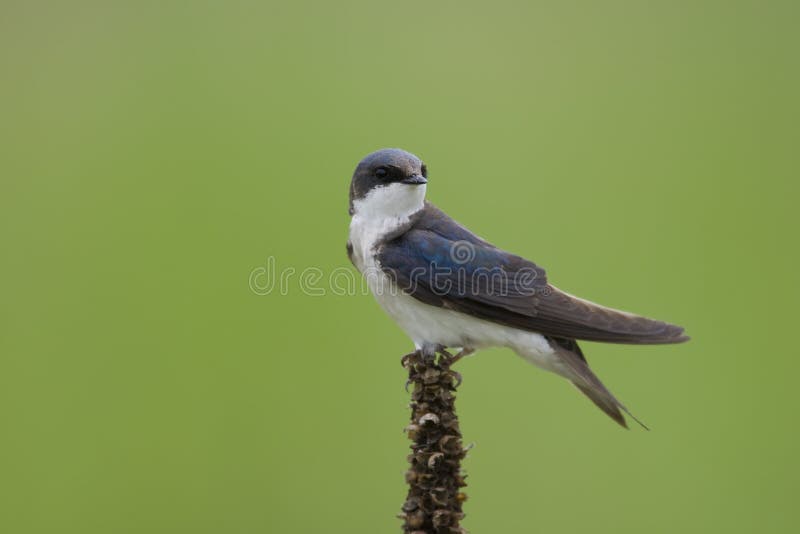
(441, 263)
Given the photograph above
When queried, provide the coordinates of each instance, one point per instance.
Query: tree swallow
(446, 287)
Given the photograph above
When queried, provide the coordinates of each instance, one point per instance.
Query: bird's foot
(428, 354)
(465, 351)
(429, 351)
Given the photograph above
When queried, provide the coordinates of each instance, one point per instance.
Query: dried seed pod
(433, 505)
(434, 458)
(442, 518)
(411, 431)
(429, 418)
(458, 378)
(431, 376)
(415, 520)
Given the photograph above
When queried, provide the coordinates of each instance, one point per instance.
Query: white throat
(382, 211)
(391, 201)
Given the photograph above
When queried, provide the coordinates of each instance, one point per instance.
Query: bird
(448, 288)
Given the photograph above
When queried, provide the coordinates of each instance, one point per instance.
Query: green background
(153, 154)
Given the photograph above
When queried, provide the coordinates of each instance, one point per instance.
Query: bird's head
(388, 183)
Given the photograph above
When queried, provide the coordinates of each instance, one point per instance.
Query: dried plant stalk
(434, 477)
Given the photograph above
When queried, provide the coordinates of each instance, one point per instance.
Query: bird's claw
(441, 349)
(466, 351)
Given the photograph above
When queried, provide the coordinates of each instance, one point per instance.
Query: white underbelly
(426, 325)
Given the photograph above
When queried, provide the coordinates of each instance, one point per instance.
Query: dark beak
(415, 179)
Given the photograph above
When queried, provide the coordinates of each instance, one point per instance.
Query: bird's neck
(370, 231)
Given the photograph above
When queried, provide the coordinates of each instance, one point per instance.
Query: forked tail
(587, 382)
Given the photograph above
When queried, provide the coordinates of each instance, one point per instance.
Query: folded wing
(442, 264)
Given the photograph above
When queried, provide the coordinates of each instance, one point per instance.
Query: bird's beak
(415, 179)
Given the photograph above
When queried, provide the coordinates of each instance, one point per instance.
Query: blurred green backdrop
(153, 154)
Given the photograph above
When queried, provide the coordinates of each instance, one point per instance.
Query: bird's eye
(424, 171)
(381, 172)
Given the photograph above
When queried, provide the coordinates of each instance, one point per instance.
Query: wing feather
(441, 263)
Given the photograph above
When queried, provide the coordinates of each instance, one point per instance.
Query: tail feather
(587, 382)
(604, 400)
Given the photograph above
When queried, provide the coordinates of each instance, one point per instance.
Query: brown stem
(433, 505)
